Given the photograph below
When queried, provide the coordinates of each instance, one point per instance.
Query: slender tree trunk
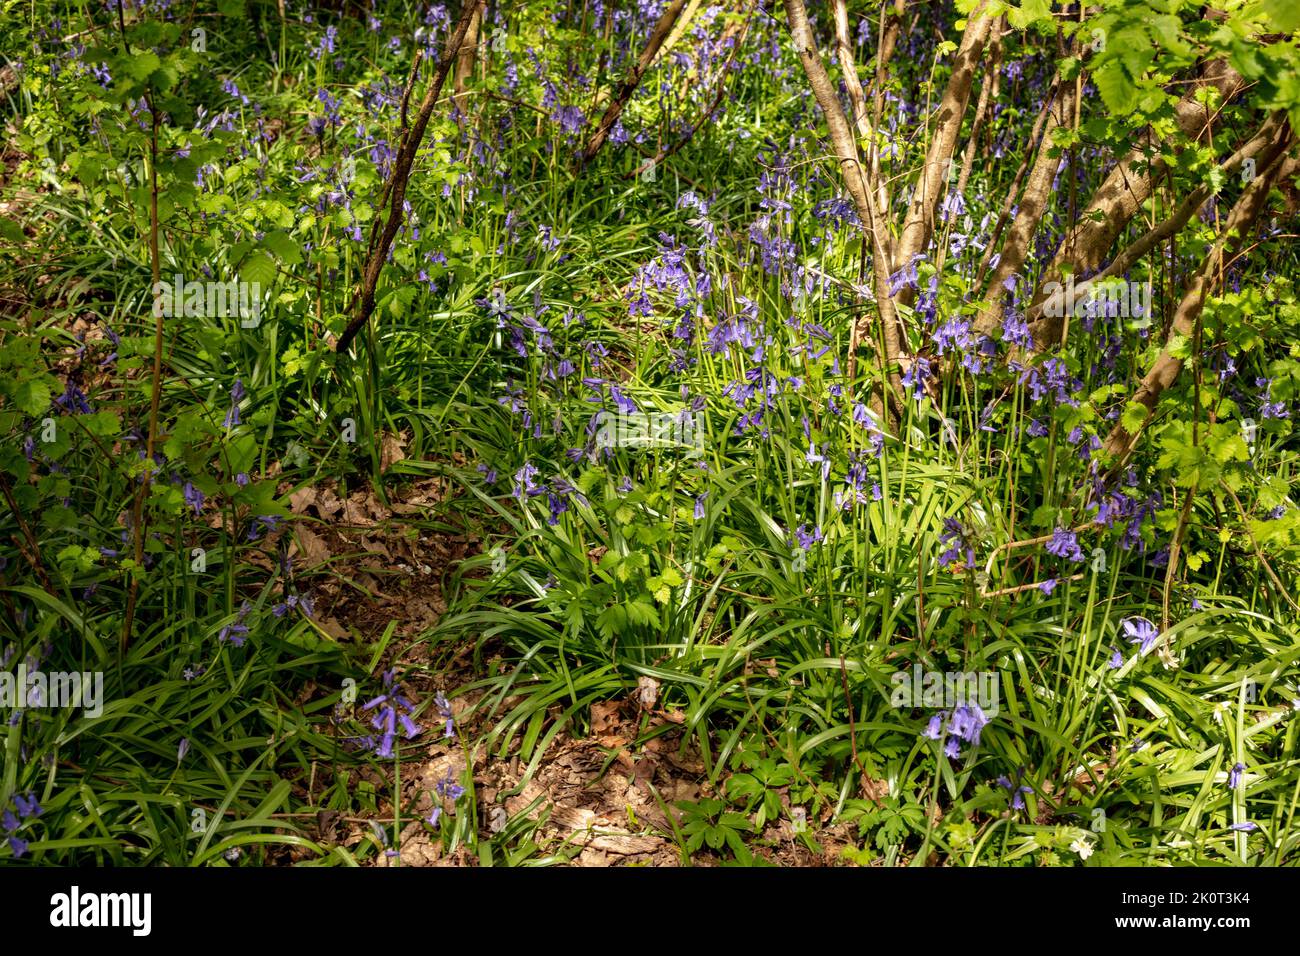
(466, 57)
(657, 37)
(1121, 195)
(1033, 203)
(1167, 367)
(381, 237)
(1171, 226)
(856, 181)
(919, 225)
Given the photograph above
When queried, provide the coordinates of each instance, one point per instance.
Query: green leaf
(284, 247)
(1134, 417)
(1118, 91)
(260, 268)
(140, 65)
(32, 396)
(1283, 14)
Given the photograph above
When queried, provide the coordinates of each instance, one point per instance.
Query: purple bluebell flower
(448, 788)
(1065, 544)
(916, 377)
(193, 497)
(968, 721)
(236, 631)
(959, 548)
(1140, 631)
(443, 706)
(237, 394)
(934, 729)
(806, 539)
(391, 708)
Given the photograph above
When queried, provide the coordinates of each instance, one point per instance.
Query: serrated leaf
(284, 247)
(258, 267)
(32, 396)
(138, 66)
(1283, 14)
(1134, 417)
(1118, 91)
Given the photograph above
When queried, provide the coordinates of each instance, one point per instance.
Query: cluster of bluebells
(958, 543)
(391, 709)
(1140, 631)
(1065, 544)
(445, 789)
(963, 724)
(13, 821)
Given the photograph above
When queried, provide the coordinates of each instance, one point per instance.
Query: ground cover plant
(649, 432)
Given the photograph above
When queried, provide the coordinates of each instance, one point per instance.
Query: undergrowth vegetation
(722, 424)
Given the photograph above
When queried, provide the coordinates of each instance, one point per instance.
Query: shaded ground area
(599, 799)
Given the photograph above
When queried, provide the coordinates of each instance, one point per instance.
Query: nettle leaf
(32, 396)
(283, 245)
(1117, 88)
(138, 66)
(1134, 417)
(1028, 13)
(1044, 516)
(1166, 30)
(398, 302)
(102, 424)
(260, 268)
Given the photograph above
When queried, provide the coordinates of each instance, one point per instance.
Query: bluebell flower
(956, 537)
(1065, 544)
(237, 394)
(916, 377)
(807, 540)
(968, 721)
(448, 788)
(443, 706)
(236, 631)
(1140, 631)
(391, 708)
(193, 497)
(934, 729)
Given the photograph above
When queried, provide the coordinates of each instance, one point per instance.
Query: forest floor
(601, 797)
